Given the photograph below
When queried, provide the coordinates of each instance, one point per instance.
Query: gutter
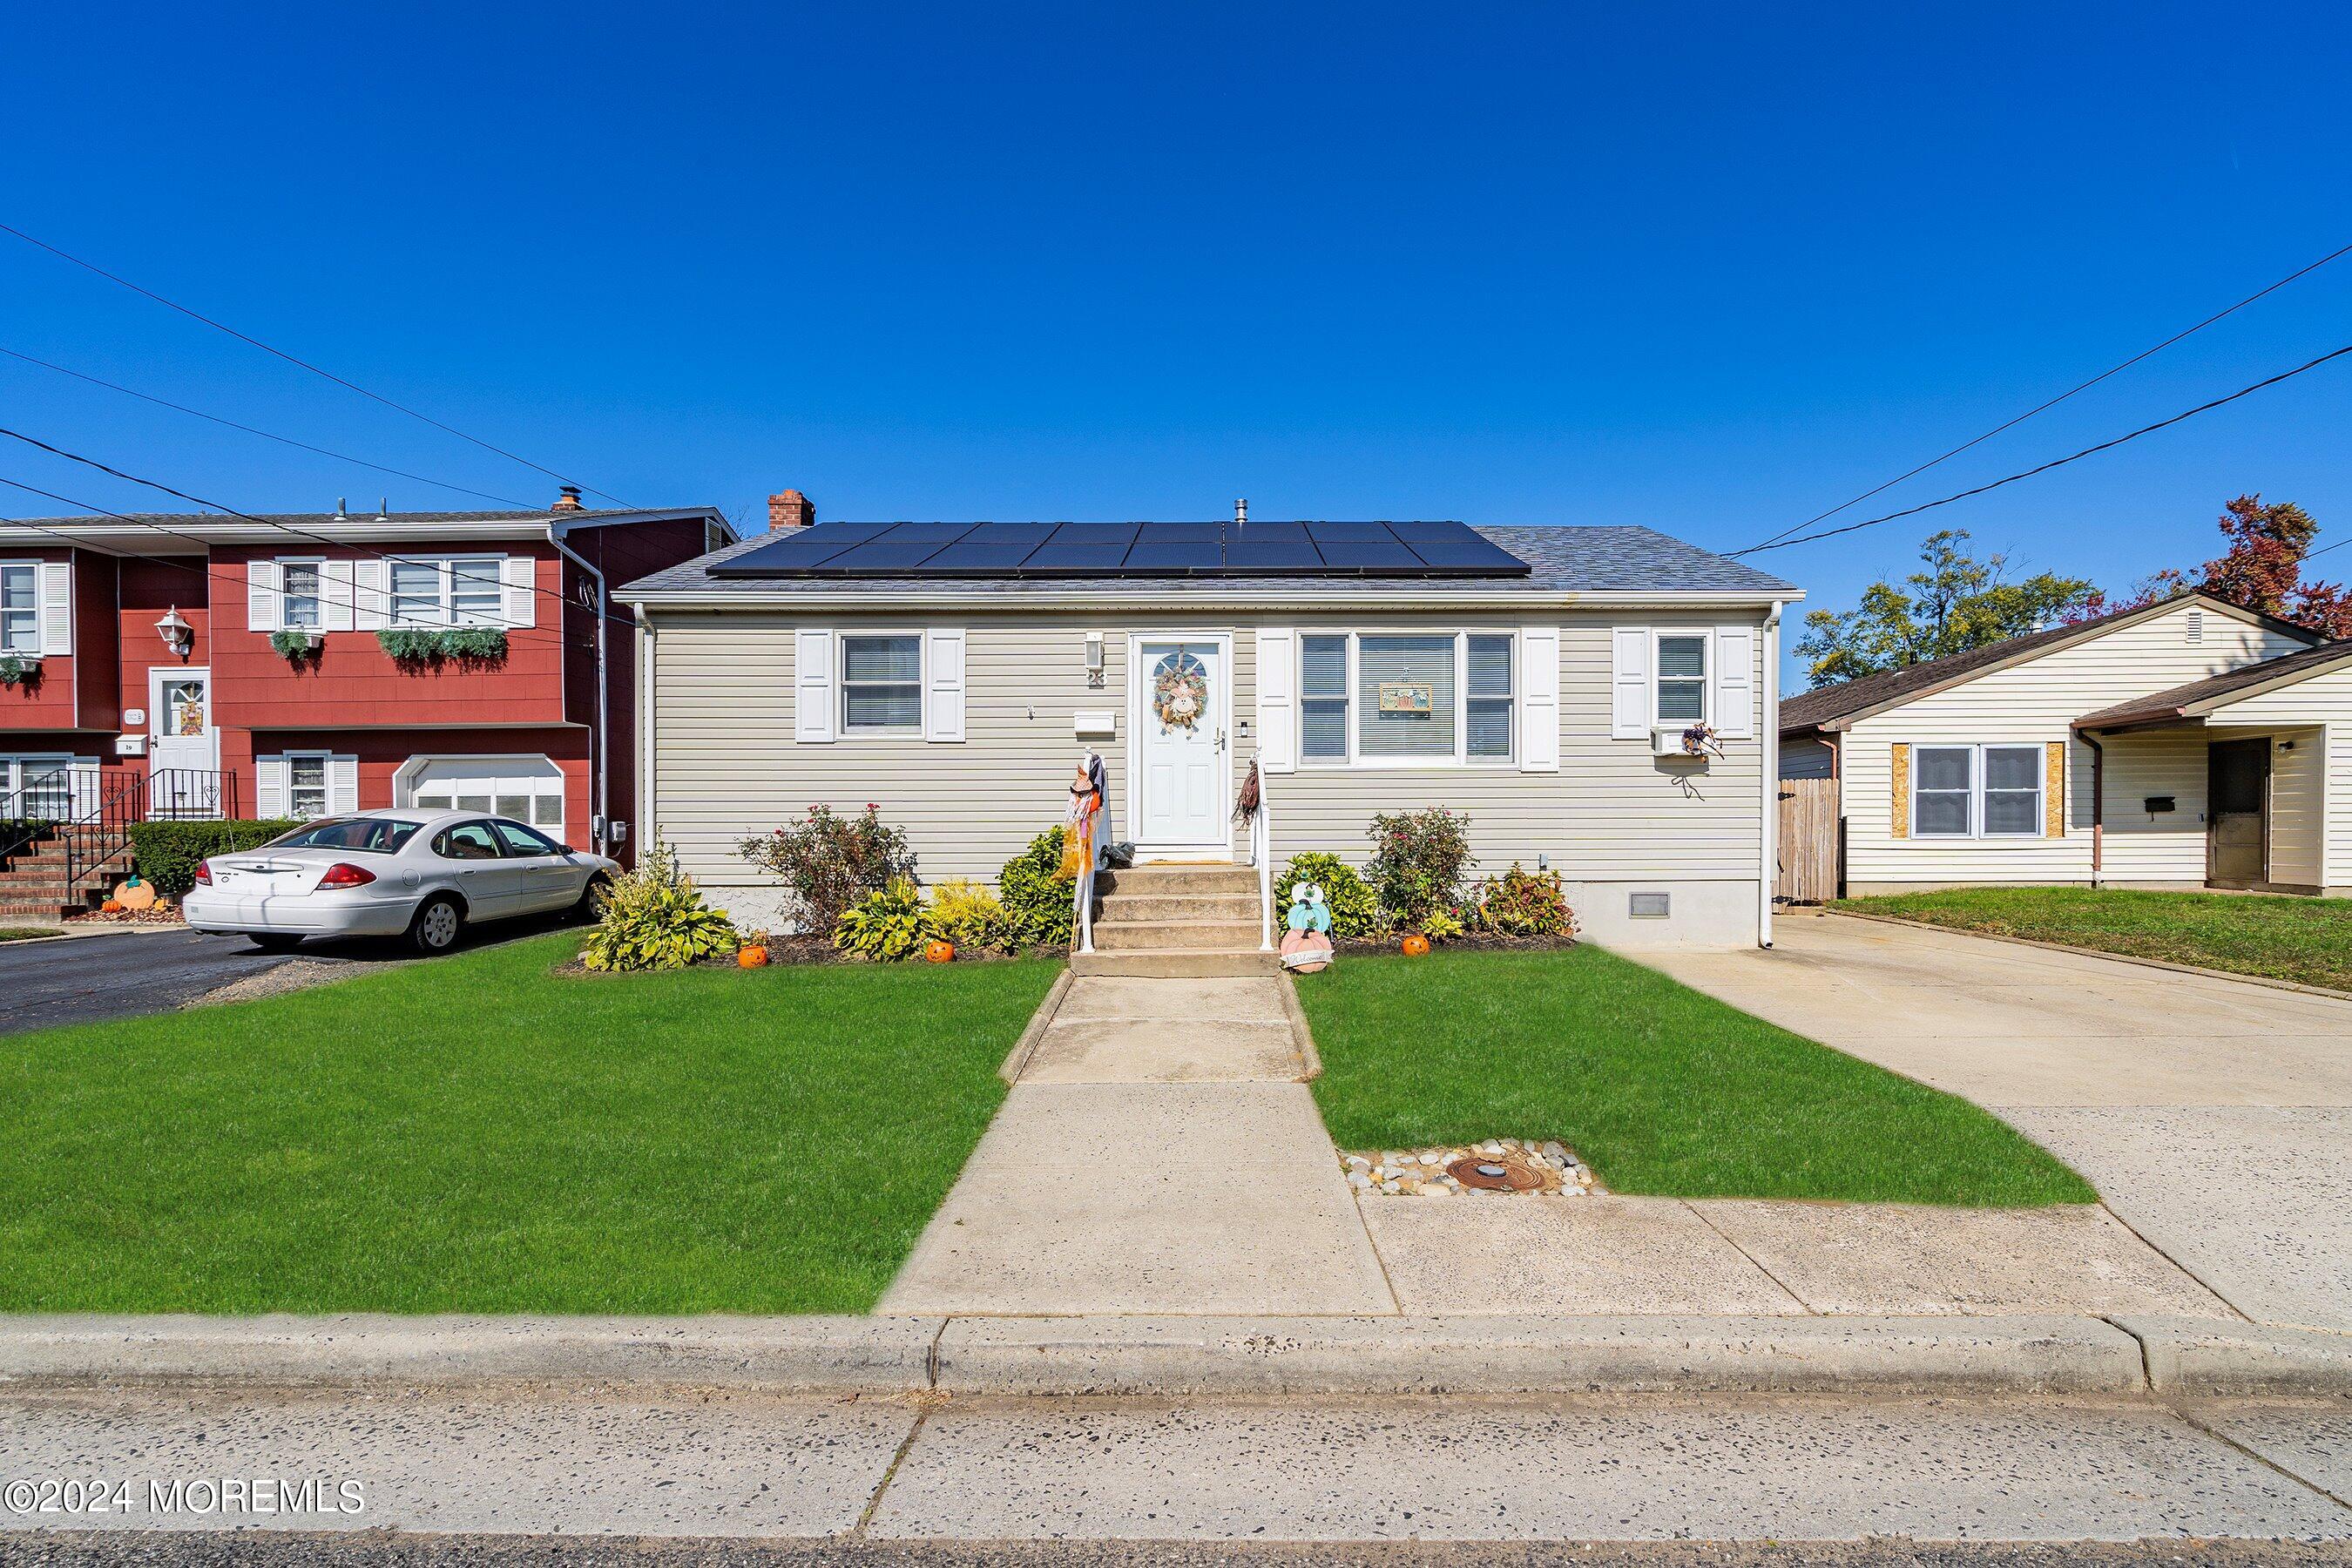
(699, 599)
(603, 753)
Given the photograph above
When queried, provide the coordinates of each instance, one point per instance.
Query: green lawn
(1660, 1090)
(2308, 940)
(478, 1134)
(25, 933)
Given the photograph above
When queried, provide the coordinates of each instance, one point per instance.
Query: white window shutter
(1629, 683)
(56, 607)
(521, 577)
(264, 608)
(813, 684)
(1734, 682)
(1538, 686)
(270, 787)
(335, 590)
(85, 779)
(944, 673)
(342, 785)
(1277, 699)
(368, 579)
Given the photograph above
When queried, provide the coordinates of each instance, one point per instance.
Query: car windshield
(369, 835)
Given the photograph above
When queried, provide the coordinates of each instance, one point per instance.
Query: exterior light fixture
(177, 635)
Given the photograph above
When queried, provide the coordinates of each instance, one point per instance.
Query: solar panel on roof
(1043, 550)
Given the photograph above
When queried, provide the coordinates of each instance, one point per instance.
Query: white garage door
(527, 789)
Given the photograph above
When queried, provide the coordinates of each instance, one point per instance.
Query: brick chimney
(790, 509)
(569, 500)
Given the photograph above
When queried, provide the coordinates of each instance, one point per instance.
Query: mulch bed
(786, 951)
(1475, 941)
(170, 917)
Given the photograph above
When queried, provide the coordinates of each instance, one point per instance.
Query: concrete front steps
(1177, 921)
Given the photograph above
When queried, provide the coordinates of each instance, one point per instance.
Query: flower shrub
(884, 926)
(1526, 903)
(1354, 911)
(830, 861)
(967, 914)
(1036, 897)
(655, 918)
(1418, 861)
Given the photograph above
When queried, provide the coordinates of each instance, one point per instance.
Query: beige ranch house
(1540, 679)
(2187, 745)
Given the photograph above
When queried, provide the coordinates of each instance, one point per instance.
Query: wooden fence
(1808, 841)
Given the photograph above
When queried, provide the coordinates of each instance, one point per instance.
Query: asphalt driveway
(134, 973)
(2214, 1116)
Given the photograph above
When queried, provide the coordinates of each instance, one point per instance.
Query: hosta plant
(655, 918)
(1354, 911)
(884, 926)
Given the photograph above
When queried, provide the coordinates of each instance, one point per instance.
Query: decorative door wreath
(1180, 691)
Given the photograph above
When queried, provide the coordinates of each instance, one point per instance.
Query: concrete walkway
(1158, 1155)
(2214, 1116)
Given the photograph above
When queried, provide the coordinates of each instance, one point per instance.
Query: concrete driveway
(2214, 1116)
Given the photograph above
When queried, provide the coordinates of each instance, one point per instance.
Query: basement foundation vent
(1650, 906)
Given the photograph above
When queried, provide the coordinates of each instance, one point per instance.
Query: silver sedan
(424, 875)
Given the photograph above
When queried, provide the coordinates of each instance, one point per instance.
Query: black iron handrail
(96, 826)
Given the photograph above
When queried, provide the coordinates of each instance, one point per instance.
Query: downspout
(1768, 873)
(602, 755)
(2098, 804)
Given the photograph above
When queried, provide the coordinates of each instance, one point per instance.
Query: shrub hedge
(165, 853)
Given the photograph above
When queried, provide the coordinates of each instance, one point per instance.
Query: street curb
(1303, 1036)
(1187, 1357)
(2260, 980)
(1018, 1057)
(1504, 1355)
(832, 1354)
(2223, 1359)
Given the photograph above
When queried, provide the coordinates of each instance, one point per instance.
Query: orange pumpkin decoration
(111, 907)
(751, 956)
(938, 951)
(1415, 946)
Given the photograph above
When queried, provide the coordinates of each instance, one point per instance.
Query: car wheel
(437, 926)
(590, 907)
(275, 943)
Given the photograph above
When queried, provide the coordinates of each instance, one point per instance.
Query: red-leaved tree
(2260, 570)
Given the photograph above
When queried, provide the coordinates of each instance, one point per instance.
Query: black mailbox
(2158, 803)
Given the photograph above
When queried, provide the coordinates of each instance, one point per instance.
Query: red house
(211, 665)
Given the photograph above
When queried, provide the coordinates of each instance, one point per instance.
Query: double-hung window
(1975, 792)
(299, 583)
(1682, 678)
(882, 684)
(306, 784)
(20, 607)
(1406, 698)
(468, 591)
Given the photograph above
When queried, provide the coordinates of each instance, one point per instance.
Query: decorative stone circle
(1422, 1172)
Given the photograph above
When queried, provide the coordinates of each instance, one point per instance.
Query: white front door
(1181, 772)
(182, 746)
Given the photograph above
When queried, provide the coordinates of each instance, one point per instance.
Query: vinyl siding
(2036, 702)
(1807, 760)
(2324, 702)
(724, 762)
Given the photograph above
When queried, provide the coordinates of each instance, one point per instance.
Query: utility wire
(231, 511)
(2053, 463)
(305, 364)
(231, 579)
(2039, 408)
(266, 434)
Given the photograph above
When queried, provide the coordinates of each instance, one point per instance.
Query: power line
(2053, 463)
(231, 511)
(2054, 402)
(266, 434)
(303, 364)
(513, 629)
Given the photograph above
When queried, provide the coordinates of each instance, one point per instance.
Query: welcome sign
(1408, 696)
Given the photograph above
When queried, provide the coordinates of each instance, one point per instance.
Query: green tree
(1954, 603)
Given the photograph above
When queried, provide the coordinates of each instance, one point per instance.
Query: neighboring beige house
(1537, 678)
(2187, 745)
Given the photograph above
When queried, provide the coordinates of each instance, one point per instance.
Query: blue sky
(1712, 270)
